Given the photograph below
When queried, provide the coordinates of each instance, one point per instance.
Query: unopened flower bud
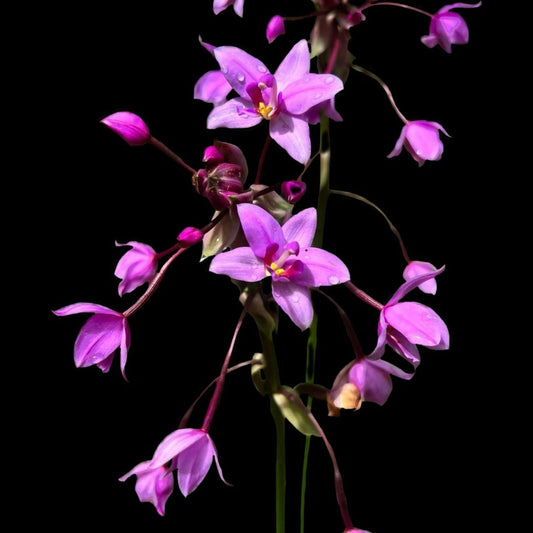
(190, 236)
(275, 28)
(293, 191)
(129, 126)
(212, 155)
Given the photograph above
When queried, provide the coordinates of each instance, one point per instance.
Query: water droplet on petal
(261, 68)
(333, 280)
(295, 298)
(240, 77)
(329, 79)
(316, 96)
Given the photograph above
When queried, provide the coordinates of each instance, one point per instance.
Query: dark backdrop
(414, 464)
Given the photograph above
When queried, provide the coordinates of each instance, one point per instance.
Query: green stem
(271, 373)
(323, 195)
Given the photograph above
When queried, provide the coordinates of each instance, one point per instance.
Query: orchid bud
(190, 236)
(212, 155)
(293, 191)
(129, 126)
(275, 28)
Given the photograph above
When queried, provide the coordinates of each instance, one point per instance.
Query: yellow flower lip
(264, 110)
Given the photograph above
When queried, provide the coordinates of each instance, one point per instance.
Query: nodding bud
(212, 155)
(190, 236)
(293, 191)
(275, 28)
(129, 126)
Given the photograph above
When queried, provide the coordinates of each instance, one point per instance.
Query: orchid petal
(239, 67)
(212, 87)
(419, 324)
(239, 263)
(260, 228)
(85, 307)
(292, 134)
(173, 444)
(233, 114)
(193, 463)
(301, 227)
(295, 301)
(309, 90)
(294, 65)
(412, 283)
(321, 268)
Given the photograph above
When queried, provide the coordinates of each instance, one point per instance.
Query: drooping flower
(129, 126)
(447, 28)
(105, 332)
(421, 139)
(220, 5)
(363, 380)
(284, 253)
(415, 268)
(188, 451)
(404, 325)
(282, 98)
(136, 267)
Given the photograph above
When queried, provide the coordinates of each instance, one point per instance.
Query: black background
(424, 462)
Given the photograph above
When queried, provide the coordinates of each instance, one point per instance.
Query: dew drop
(240, 77)
(316, 96)
(333, 280)
(329, 79)
(261, 68)
(295, 298)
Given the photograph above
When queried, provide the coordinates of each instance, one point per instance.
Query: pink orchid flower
(285, 254)
(275, 28)
(104, 332)
(188, 451)
(129, 126)
(447, 28)
(421, 139)
(404, 325)
(220, 5)
(363, 380)
(282, 98)
(136, 267)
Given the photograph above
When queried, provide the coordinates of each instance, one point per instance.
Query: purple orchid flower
(220, 5)
(187, 450)
(285, 254)
(363, 380)
(404, 325)
(421, 139)
(447, 28)
(275, 28)
(136, 267)
(105, 332)
(282, 98)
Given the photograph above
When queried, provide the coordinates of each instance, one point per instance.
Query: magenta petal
(155, 486)
(98, 338)
(260, 228)
(322, 268)
(233, 114)
(239, 263)
(193, 464)
(295, 301)
(175, 443)
(239, 67)
(301, 227)
(292, 134)
(212, 87)
(84, 307)
(309, 90)
(294, 65)
(419, 324)
(411, 284)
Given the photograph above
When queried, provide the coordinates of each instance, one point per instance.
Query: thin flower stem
(384, 87)
(217, 395)
(396, 4)
(339, 487)
(371, 204)
(363, 295)
(175, 157)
